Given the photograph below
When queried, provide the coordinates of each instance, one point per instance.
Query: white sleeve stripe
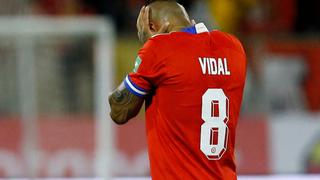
(134, 88)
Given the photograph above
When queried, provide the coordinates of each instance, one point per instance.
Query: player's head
(162, 11)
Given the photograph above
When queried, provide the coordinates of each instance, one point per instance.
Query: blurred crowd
(246, 16)
(286, 27)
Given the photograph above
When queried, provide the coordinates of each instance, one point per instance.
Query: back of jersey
(192, 112)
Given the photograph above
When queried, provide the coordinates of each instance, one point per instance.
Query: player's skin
(156, 18)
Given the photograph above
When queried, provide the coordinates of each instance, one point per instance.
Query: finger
(145, 15)
(141, 13)
(145, 19)
(139, 16)
(164, 28)
(141, 10)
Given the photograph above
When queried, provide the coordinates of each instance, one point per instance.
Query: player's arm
(124, 105)
(127, 99)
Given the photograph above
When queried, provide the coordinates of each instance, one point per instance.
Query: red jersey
(193, 84)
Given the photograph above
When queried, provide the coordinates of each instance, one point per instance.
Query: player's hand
(143, 25)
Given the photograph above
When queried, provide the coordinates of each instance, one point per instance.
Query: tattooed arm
(124, 105)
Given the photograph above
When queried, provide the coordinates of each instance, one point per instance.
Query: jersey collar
(196, 29)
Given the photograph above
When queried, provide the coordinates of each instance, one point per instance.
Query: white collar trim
(200, 28)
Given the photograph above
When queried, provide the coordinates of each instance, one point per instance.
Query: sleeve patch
(137, 64)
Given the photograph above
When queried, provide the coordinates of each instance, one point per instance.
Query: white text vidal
(214, 66)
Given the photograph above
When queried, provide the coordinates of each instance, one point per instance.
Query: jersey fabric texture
(171, 79)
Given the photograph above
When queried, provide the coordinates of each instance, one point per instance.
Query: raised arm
(124, 105)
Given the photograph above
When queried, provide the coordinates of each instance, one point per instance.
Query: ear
(152, 27)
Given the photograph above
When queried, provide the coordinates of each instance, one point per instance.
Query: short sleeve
(148, 72)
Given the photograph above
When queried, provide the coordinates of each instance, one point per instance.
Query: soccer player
(192, 83)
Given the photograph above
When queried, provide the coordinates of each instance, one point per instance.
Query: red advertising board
(66, 147)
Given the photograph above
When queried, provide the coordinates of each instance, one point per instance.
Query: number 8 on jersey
(214, 130)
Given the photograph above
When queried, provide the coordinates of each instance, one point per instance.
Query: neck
(179, 27)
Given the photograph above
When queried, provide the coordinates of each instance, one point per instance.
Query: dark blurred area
(123, 12)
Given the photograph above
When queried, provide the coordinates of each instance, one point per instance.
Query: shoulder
(160, 40)
(154, 42)
(157, 44)
(227, 40)
(222, 35)
(155, 49)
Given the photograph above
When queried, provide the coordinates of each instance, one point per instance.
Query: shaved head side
(163, 11)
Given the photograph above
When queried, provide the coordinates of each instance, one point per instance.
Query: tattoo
(124, 105)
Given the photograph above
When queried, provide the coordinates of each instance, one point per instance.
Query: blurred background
(59, 59)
